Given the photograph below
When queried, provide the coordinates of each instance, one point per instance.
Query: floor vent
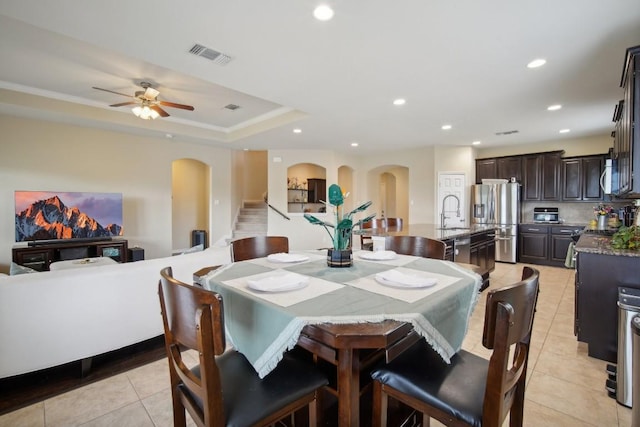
(210, 54)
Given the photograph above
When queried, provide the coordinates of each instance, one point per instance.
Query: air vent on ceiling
(507, 132)
(231, 107)
(210, 54)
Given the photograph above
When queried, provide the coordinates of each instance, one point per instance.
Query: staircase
(251, 220)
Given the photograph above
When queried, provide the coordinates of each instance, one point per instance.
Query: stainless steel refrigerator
(499, 205)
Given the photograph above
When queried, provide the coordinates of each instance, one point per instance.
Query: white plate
(401, 280)
(285, 257)
(377, 255)
(280, 283)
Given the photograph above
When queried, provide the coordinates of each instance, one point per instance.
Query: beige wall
(255, 174)
(190, 200)
(571, 147)
(38, 155)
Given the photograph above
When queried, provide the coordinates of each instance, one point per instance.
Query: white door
(454, 184)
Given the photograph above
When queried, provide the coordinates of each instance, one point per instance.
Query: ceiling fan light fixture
(145, 113)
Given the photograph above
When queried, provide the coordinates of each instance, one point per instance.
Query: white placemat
(314, 288)
(398, 261)
(271, 264)
(409, 295)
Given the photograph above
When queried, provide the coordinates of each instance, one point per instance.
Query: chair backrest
(394, 224)
(365, 239)
(508, 321)
(416, 246)
(258, 247)
(193, 319)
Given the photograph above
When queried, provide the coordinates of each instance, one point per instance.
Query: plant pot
(339, 258)
(602, 222)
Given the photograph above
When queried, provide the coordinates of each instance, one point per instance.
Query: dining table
(347, 317)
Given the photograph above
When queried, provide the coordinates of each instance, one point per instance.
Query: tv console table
(40, 256)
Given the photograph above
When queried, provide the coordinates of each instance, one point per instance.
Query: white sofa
(51, 318)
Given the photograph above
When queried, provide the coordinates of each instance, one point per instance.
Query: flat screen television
(50, 215)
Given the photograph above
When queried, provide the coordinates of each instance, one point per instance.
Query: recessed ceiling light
(554, 107)
(475, 143)
(297, 131)
(354, 144)
(536, 63)
(168, 135)
(446, 127)
(399, 101)
(323, 13)
(565, 130)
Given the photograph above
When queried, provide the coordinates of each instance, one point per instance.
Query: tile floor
(565, 386)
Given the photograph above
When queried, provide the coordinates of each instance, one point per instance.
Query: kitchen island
(600, 271)
(472, 245)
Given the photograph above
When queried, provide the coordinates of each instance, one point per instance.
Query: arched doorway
(190, 196)
(389, 191)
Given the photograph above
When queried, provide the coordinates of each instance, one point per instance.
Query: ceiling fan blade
(159, 110)
(111, 91)
(122, 104)
(174, 105)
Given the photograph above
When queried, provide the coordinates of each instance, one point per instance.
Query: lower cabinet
(39, 257)
(483, 250)
(598, 277)
(545, 244)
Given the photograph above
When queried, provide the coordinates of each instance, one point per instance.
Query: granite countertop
(595, 243)
(433, 231)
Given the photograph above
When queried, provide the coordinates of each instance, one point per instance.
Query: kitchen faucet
(442, 215)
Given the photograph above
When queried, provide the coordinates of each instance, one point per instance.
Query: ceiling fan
(147, 104)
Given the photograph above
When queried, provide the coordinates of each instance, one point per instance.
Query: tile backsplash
(571, 213)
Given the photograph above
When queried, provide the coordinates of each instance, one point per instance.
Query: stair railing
(278, 211)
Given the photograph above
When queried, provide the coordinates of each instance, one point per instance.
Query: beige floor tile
(160, 409)
(563, 325)
(30, 416)
(89, 402)
(536, 415)
(624, 416)
(133, 415)
(151, 378)
(578, 402)
(565, 346)
(583, 371)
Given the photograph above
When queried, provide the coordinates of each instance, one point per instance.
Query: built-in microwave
(546, 215)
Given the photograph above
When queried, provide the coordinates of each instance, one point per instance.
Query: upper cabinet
(541, 176)
(548, 176)
(626, 147)
(581, 178)
(486, 169)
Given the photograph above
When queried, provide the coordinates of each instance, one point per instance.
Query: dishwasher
(462, 249)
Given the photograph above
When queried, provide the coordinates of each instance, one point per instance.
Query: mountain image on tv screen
(43, 215)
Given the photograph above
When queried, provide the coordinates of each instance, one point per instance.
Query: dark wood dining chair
(394, 224)
(470, 391)
(366, 243)
(258, 247)
(224, 389)
(416, 246)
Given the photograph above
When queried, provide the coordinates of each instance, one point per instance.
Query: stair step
(250, 226)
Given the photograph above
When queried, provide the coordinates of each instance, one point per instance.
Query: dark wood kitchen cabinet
(626, 146)
(482, 251)
(533, 243)
(486, 169)
(510, 167)
(545, 244)
(581, 178)
(598, 277)
(542, 176)
(499, 168)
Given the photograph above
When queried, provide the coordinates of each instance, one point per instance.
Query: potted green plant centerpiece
(340, 255)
